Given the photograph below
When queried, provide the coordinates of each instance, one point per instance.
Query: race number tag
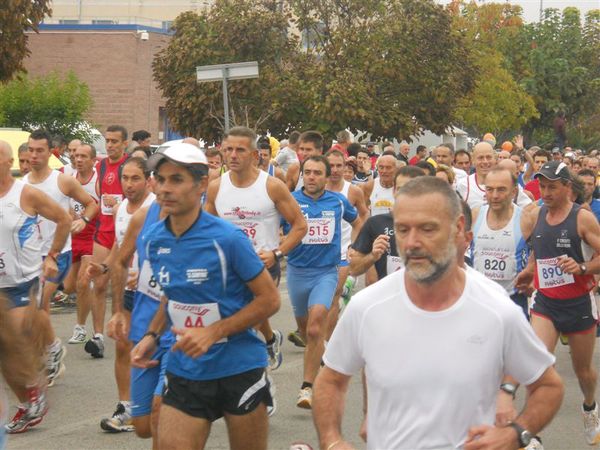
(3, 262)
(189, 315)
(394, 264)
(320, 231)
(250, 229)
(112, 200)
(496, 265)
(550, 275)
(147, 284)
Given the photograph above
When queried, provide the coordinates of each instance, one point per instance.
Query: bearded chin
(436, 269)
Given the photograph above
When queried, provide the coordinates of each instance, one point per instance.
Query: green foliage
(376, 65)
(55, 103)
(16, 17)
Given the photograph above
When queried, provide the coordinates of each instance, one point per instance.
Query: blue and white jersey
(595, 207)
(499, 254)
(203, 274)
(321, 246)
(147, 296)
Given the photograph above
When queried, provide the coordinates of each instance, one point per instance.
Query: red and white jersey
(89, 186)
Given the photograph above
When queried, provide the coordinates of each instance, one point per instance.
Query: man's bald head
(482, 147)
(509, 165)
(191, 140)
(5, 150)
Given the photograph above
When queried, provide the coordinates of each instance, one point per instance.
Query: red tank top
(110, 191)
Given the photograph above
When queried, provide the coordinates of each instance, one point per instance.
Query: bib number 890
(551, 272)
(494, 264)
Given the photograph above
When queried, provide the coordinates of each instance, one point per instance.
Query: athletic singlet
(251, 209)
(20, 246)
(48, 228)
(346, 227)
(68, 170)
(472, 192)
(522, 200)
(549, 242)
(122, 219)
(90, 188)
(109, 186)
(499, 254)
(146, 299)
(382, 199)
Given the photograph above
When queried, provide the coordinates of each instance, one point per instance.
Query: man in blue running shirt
(216, 289)
(312, 266)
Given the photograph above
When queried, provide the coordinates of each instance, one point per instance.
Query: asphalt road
(87, 393)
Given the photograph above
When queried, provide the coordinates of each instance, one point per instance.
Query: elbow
(302, 227)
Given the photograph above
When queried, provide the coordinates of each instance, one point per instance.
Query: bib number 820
(494, 264)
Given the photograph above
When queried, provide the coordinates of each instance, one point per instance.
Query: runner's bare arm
(290, 210)
(589, 230)
(279, 174)
(292, 176)
(72, 188)
(357, 199)
(328, 407)
(367, 189)
(211, 196)
(356, 226)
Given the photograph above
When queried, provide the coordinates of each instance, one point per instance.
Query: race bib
(147, 284)
(496, 264)
(190, 315)
(550, 275)
(250, 229)
(107, 210)
(3, 262)
(320, 231)
(394, 263)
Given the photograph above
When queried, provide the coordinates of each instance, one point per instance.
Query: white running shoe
(305, 398)
(591, 426)
(79, 335)
(274, 350)
(534, 444)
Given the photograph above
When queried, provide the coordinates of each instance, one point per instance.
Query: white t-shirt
(433, 375)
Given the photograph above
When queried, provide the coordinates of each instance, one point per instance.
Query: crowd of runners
(475, 263)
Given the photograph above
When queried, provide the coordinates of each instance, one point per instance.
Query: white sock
(99, 336)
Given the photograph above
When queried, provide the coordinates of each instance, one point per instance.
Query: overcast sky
(531, 8)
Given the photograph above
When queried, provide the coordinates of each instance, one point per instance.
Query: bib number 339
(189, 315)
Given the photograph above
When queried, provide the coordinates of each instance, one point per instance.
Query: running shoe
(305, 398)
(348, 289)
(591, 425)
(274, 350)
(54, 364)
(120, 420)
(95, 346)
(79, 335)
(564, 340)
(295, 338)
(59, 299)
(535, 444)
(30, 414)
(272, 390)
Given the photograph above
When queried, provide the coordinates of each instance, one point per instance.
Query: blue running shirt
(203, 273)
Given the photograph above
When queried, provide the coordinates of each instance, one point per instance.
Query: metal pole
(225, 99)
(541, 10)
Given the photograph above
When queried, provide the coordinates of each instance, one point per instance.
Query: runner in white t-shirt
(472, 188)
(464, 336)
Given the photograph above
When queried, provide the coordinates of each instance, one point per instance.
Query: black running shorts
(238, 394)
(569, 316)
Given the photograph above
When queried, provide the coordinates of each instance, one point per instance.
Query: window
(167, 24)
(103, 22)
(68, 21)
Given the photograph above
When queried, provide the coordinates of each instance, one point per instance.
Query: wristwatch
(523, 436)
(509, 388)
(583, 268)
(278, 254)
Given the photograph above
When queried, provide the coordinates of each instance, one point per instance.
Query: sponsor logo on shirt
(163, 277)
(328, 214)
(163, 251)
(196, 276)
(563, 241)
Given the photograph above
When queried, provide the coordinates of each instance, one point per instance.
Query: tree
(16, 17)
(369, 65)
(57, 104)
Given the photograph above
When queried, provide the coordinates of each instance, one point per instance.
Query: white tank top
(69, 169)
(122, 220)
(251, 209)
(300, 183)
(20, 242)
(346, 227)
(48, 228)
(499, 254)
(90, 188)
(472, 193)
(382, 199)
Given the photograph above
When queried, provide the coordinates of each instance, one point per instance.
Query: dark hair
(263, 143)
(140, 135)
(466, 210)
(363, 150)
(462, 152)
(352, 164)
(420, 148)
(41, 134)
(578, 189)
(118, 129)
(243, 132)
(314, 137)
(389, 153)
(214, 152)
(432, 185)
(293, 137)
(542, 154)
(318, 158)
(448, 145)
(353, 149)
(427, 167)
(588, 173)
(408, 172)
(336, 153)
(58, 141)
(197, 171)
(142, 148)
(140, 163)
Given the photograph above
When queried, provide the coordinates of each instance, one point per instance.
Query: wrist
(154, 335)
(53, 254)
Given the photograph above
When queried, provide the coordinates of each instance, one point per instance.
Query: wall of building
(116, 65)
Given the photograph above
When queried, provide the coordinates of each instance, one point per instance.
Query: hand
(94, 270)
(196, 341)
(109, 200)
(519, 141)
(132, 280)
(267, 257)
(380, 246)
(49, 268)
(485, 437)
(523, 281)
(363, 429)
(118, 327)
(142, 352)
(77, 226)
(569, 265)
(505, 409)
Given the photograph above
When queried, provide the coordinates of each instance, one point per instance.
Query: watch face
(526, 437)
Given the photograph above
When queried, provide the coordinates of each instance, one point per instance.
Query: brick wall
(117, 67)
